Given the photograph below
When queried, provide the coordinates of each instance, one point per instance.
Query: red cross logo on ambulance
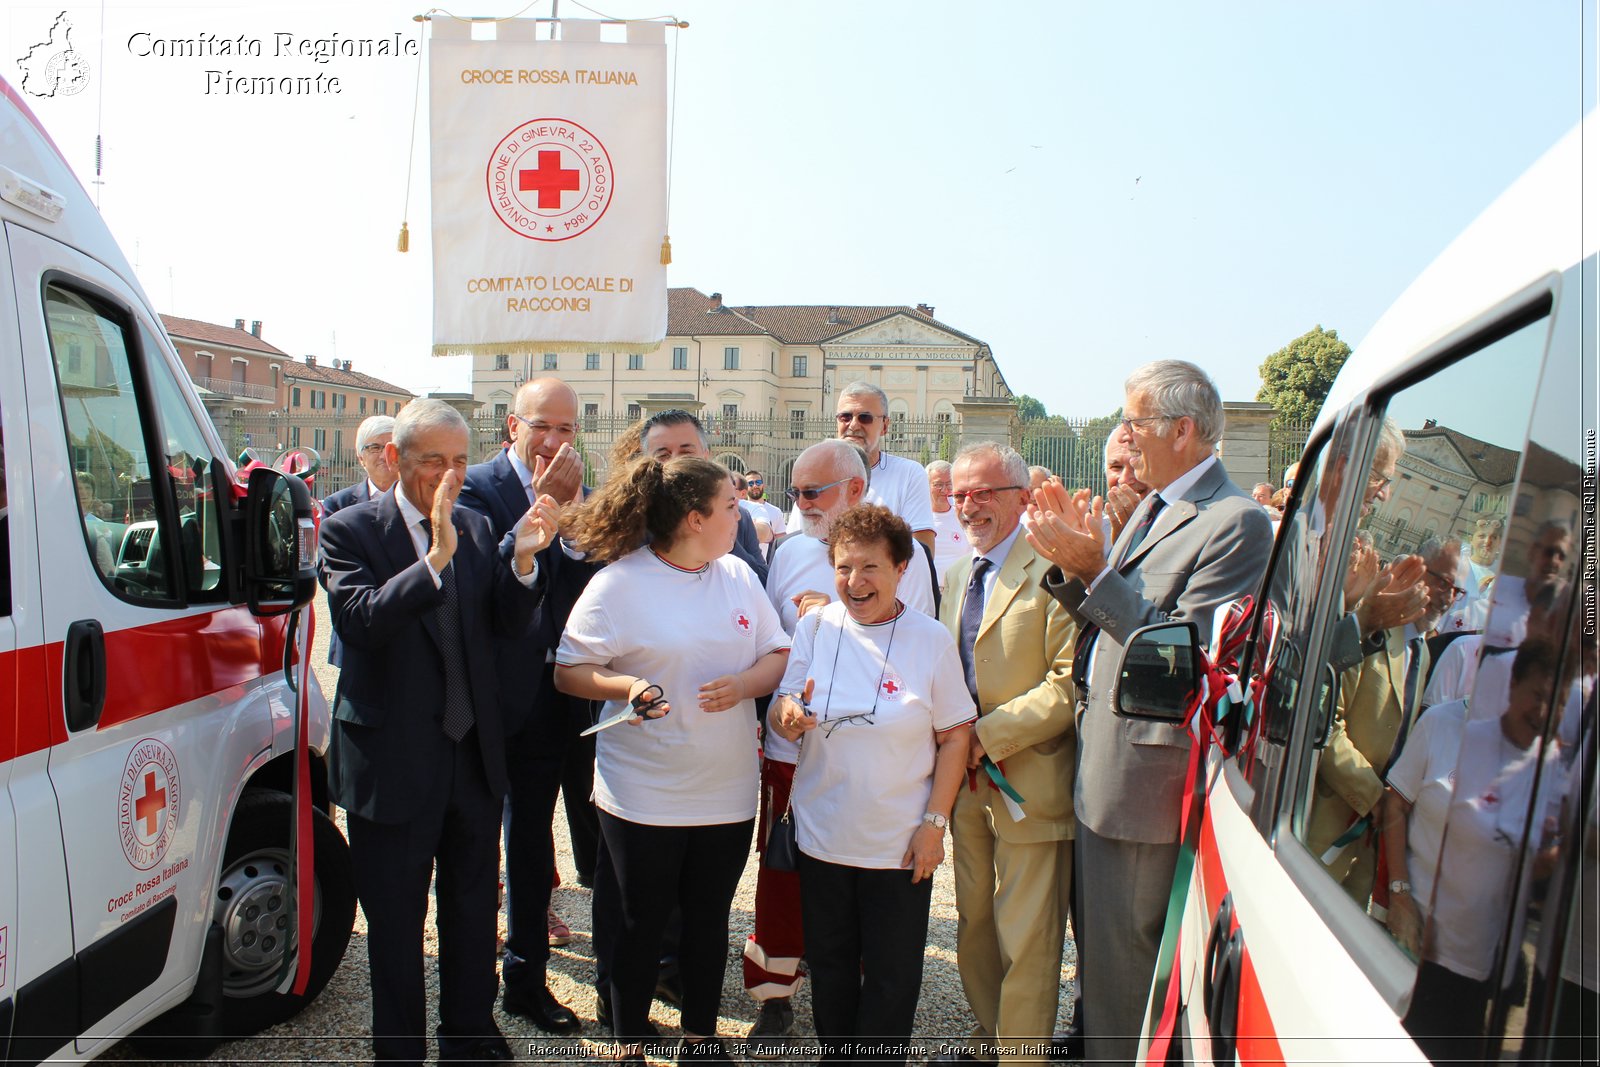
(549, 180)
(742, 622)
(147, 803)
(891, 687)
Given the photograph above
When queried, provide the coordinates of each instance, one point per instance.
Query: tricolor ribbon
(304, 852)
(1219, 695)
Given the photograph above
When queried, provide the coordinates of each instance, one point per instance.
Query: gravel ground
(336, 1028)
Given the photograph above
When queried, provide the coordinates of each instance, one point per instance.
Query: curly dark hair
(865, 524)
(644, 498)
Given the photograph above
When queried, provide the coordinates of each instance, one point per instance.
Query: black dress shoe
(540, 1007)
(480, 1049)
(1067, 1045)
(669, 989)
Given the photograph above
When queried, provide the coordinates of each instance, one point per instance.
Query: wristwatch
(1399, 886)
(933, 818)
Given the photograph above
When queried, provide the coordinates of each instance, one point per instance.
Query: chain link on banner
(549, 162)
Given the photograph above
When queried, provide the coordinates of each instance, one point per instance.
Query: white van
(147, 728)
(1397, 860)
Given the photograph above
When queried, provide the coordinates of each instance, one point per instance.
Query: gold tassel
(404, 244)
(666, 250)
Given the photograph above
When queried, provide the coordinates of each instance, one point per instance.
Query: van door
(1411, 469)
(38, 993)
(152, 669)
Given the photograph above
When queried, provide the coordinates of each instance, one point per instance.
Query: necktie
(971, 616)
(1141, 531)
(458, 717)
(1410, 699)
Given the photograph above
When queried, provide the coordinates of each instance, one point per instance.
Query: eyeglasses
(371, 448)
(1377, 483)
(812, 494)
(543, 428)
(865, 418)
(755, 481)
(1130, 424)
(865, 718)
(981, 496)
(1446, 582)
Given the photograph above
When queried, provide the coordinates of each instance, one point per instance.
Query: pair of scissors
(649, 699)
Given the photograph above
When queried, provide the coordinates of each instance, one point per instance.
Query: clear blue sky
(1085, 186)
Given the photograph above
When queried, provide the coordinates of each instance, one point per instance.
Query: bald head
(834, 468)
(544, 416)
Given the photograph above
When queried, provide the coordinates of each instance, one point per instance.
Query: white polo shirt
(949, 540)
(678, 629)
(860, 788)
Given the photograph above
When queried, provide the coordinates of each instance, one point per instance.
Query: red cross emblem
(892, 687)
(149, 796)
(741, 621)
(148, 807)
(550, 179)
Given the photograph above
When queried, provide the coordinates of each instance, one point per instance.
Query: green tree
(1296, 378)
(1029, 408)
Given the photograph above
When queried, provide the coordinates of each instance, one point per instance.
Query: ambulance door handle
(1220, 928)
(1223, 1018)
(83, 677)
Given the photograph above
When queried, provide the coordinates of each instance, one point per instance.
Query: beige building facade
(783, 362)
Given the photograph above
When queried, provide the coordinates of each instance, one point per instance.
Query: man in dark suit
(417, 590)
(372, 438)
(1195, 542)
(544, 752)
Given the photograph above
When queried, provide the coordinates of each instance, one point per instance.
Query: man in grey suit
(1195, 542)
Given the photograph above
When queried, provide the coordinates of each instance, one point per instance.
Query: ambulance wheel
(253, 910)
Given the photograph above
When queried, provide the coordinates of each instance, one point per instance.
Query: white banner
(549, 189)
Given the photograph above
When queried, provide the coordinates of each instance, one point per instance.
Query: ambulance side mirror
(1160, 673)
(280, 543)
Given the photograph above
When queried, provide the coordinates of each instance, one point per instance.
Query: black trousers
(534, 757)
(866, 931)
(577, 792)
(658, 868)
(459, 831)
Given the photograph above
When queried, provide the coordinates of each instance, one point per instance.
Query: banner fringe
(534, 348)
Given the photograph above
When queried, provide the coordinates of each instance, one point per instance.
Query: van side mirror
(1160, 673)
(280, 543)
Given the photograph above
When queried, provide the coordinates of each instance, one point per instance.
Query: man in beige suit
(1013, 860)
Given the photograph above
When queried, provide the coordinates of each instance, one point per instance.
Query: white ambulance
(1372, 884)
(148, 820)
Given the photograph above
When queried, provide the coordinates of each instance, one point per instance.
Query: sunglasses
(755, 481)
(865, 418)
(812, 494)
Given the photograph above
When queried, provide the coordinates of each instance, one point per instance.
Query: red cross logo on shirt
(741, 621)
(550, 180)
(148, 807)
(890, 688)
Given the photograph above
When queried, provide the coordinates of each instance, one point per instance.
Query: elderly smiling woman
(876, 694)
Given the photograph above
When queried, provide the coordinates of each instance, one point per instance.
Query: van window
(189, 460)
(5, 537)
(1441, 454)
(112, 468)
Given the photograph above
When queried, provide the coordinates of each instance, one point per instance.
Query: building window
(502, 362)
(294, 437)
(799, 366)
(730, 422)
(591, 413)
(635, 412)
(319, 439)
(730, 358)
(339, 401)
(680, 359)
(636, 362)
(797, 425)
(274, 378)
(361, 405)
(338, 443)
(500, 412)
(591, 361)
(550, 361)
(383, 407)
(294, 397)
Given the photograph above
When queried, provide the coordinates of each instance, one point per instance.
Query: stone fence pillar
(1244, 446)
(987, 418)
